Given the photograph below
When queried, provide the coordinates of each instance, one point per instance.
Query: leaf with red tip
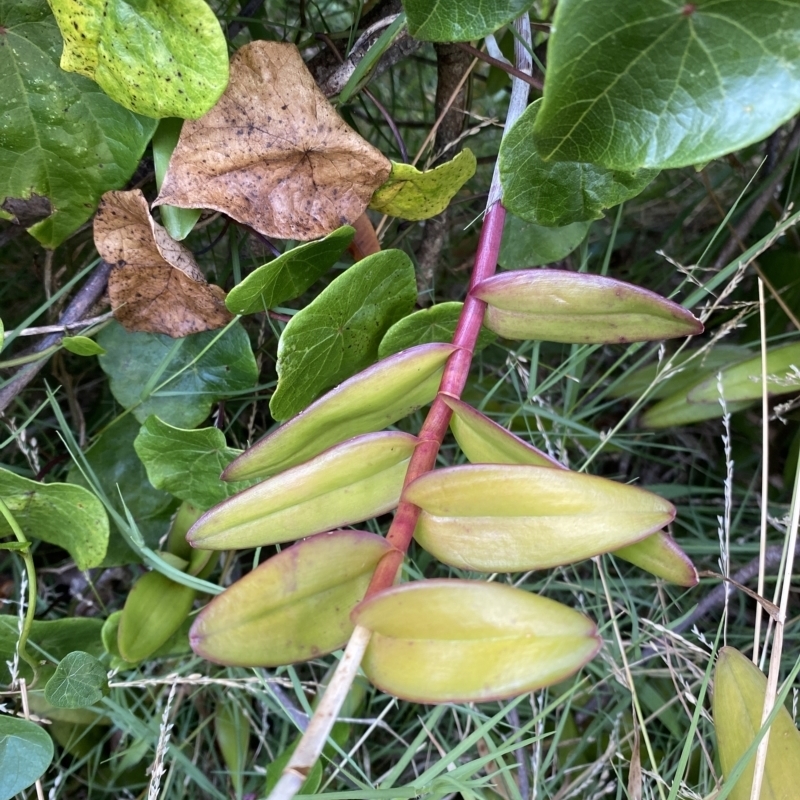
(444, 641)
(293, 607)
(351, 482)
(560, 306)
(661, 556)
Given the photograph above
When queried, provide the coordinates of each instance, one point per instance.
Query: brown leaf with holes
(273, 153)
(155, 285)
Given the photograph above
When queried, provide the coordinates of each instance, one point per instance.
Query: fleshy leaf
(678, 410)
(738, 703)
(62, 514)
(26, 751)
(412, 194)
(509, 518)
(558, 193)
(186, 463)
(369, 401)
(483, 441)
(526, 244)
(441, 641)
(659, 555)
(338, 333)
(456, 21)
(560, 306)
(633, 84)
(434, 324)
(289, 275)
(68, 142)
(78, 682)
(82, 346)
(160, 60)
(273, 153)
(353, 481)
(150, 373)
(293, 607)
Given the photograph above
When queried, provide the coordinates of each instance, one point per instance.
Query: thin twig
(496, 62)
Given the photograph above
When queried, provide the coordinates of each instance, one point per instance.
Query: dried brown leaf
(155, 284)
(273, 153)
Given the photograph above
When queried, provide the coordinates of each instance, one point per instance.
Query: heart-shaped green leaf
(26, 751)
(78, 682)
(351, 482)
(293, 607)
(447, 641)
(509, 518)
(377, 397)
(659, 555)
(526, 244)
(456, 21)
(738, 704)
(559, 306)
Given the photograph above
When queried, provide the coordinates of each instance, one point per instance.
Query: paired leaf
(338, 333)
(509, 518)
(369, 401)
(177, 380)
(64, 142)
(435, 324)
(155, 284)
(444, 641)
(559, 193)
(412, 194)
(78, 682)
(455, 21)
(738, 703)
(351, 482)
(560, 306)
(526, 244)
(26, 751)
(632, 84)
(273, 153)
(158, 60)
(293, 607)
(289, 275)
(59, 513)
(186, 463)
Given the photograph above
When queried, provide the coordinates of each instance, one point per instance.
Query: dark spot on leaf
(688, 9)
(28, 211)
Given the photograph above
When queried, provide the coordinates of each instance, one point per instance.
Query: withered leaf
(155, 285)
(273, 153)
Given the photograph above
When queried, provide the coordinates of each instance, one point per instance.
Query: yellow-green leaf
(445, 641)
(661, 556)
(677, 409)
(414, 195)
(82, 346)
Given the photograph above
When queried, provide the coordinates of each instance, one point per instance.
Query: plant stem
(430, 439)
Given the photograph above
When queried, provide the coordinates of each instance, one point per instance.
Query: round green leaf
(160, 60)
(26, 751)
(447, 641)
(457, 21)
(526, 244)
(62, 141)
(559, 193)
(78, 682)
(82, 346)
(634, 84)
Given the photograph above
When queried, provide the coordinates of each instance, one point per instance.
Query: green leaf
(178, 221)
(660, 555)
(738, 702)
(560, 306)
(434, 324)
(232, 730)
(634, 84)
(678, 410)
(412, 194)
(176, 645)
(178, 380)
(353, 481)
(456, 21)
(82, 346)
(78, 682)
(293, 607)
(59, 513)
(510, 518)
(526, 244)
(448, 641)
(372, 400)
(338, 333)
(26, 751)
(187, 463)
(559, 193)
(62, 141)
(289, 275)
(160, 60)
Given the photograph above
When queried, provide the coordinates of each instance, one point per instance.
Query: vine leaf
(456, 21)
(69, 142)
(273, 153)
(155, 285)
(78, 681)
(635, 84)
(160, 60)
(526, 244)
(339, 332)
(412, 194)
(26, 751)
